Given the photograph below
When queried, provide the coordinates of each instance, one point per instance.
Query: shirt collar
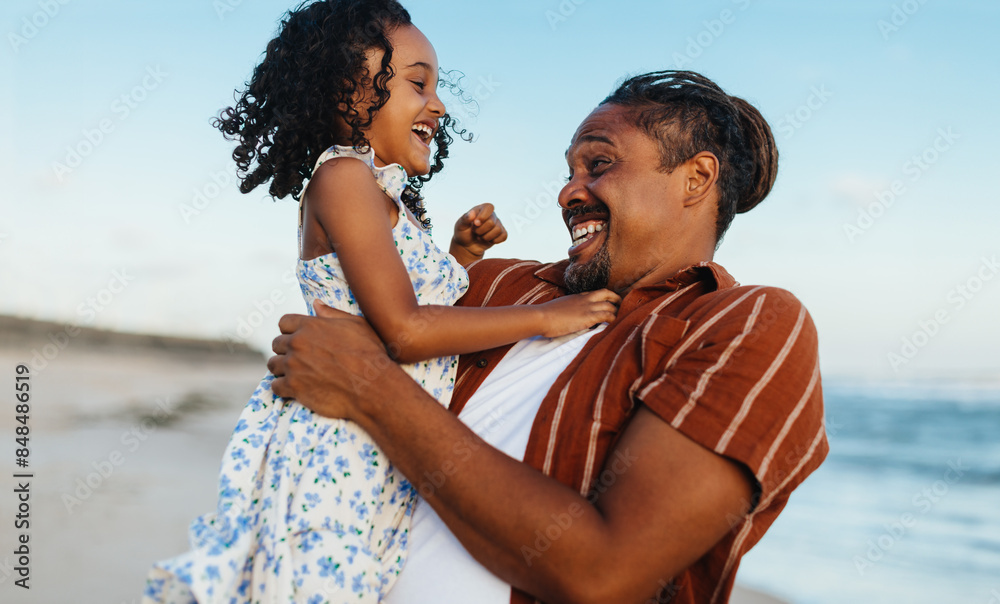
(709, 272)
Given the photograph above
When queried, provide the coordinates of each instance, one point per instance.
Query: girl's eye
(419, 84)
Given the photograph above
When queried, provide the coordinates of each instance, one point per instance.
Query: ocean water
(906, 507)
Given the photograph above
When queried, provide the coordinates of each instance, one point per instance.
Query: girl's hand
(476, 231)
(577, 312)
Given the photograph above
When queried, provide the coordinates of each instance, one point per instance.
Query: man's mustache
(581, 210)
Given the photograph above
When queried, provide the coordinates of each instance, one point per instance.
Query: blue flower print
(312, 500)
(240, 457)
(324, 476)
(328, 568)
(319, 454)
(307, 504)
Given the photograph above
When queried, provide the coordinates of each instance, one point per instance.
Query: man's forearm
(492, 503)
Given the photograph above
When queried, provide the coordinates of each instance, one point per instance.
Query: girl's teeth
(423, 131)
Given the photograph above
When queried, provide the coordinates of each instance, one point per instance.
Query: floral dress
(310, 510)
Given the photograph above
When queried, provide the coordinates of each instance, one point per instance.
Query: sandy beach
(126, 436)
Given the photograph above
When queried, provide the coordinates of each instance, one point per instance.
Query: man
(637, 461)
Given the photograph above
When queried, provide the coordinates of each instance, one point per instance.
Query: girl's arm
(357, 219)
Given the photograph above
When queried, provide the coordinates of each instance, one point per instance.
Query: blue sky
(148, 232)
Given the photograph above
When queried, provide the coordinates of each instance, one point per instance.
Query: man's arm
(668, 505)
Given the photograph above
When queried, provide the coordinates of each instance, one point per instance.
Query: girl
(309, 510)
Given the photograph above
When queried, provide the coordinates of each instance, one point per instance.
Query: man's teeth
(581, 234)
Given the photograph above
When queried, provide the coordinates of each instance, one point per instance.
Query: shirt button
(482, 363)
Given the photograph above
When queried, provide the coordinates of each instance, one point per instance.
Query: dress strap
(391, 179)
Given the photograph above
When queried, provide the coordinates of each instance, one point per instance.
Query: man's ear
(702, 174)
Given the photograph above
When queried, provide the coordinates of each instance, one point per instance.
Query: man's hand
(476, 231)
(328, 362)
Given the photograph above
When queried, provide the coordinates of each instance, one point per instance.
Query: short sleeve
(490, 275)
(742, 379)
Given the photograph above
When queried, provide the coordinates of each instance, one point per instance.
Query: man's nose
(573, 194)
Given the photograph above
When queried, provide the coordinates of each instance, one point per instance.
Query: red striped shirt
(734, 368)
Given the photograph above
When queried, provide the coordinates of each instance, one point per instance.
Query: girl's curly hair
(311, 73)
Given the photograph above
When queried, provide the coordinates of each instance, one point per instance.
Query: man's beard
(591, 276)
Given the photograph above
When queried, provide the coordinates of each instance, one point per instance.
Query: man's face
(622, 210)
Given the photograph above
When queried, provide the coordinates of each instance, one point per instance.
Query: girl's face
(404, 127)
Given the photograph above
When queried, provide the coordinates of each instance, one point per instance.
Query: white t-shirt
(502, 411)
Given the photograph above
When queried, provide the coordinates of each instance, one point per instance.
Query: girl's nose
(435, 106)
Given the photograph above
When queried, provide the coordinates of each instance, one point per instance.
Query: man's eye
(596, 164)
